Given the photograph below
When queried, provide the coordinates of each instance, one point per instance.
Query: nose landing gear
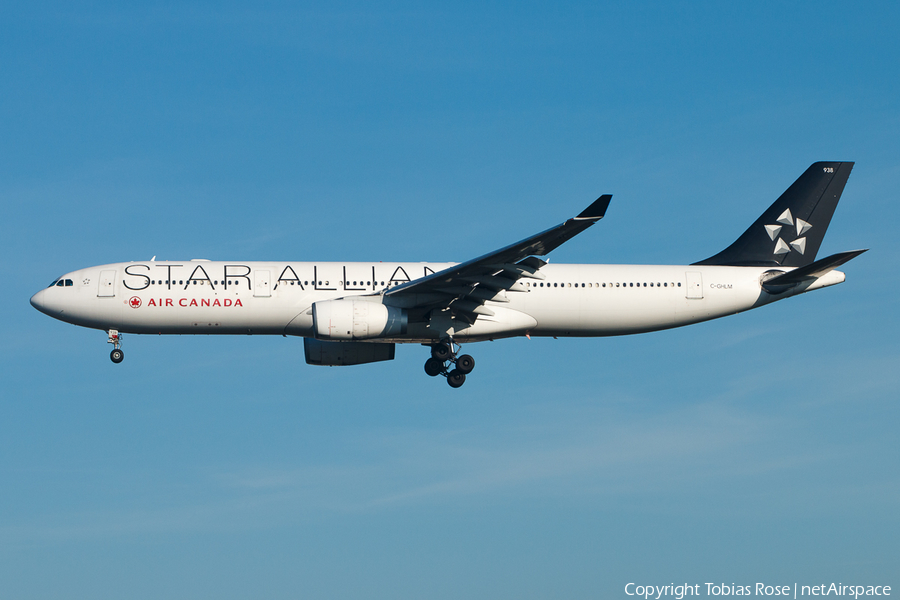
(443, 357)
(115, 339)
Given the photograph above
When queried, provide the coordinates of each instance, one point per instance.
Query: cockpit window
(69, 283)
(60, 283)
(55, 281)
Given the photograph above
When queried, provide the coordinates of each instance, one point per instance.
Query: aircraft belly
(607, 314)
(505, 323)
(302, 323)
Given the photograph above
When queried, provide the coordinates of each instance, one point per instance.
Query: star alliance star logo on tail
(787, 220)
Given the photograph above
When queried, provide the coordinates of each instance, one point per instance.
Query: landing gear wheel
(465, 364)
(455, 378)
(116, 340)
(434, 367)
(441, 351)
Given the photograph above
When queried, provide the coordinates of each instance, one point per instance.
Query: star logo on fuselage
(786, 220)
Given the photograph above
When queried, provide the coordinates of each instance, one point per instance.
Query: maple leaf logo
(135, 302)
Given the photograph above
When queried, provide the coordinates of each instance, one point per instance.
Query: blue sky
(761, 447)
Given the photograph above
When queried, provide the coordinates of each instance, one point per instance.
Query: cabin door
(107, 284)
(694, 284)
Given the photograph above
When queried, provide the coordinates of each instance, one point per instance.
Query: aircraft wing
(465, 287)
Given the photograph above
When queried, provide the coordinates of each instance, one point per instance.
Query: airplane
(356, 312)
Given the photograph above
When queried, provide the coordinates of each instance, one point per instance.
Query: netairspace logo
(679, 592)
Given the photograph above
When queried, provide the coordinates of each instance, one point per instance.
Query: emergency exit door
(262, 284)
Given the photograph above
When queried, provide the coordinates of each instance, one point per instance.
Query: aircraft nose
(37, 300)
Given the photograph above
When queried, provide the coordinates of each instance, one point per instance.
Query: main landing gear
(115, 339)
(443, 357)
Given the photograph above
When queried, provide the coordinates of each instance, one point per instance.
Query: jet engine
(357, 320)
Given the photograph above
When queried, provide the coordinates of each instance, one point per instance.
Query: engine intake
(357, 320)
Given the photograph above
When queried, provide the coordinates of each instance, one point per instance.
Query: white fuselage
(275, 298)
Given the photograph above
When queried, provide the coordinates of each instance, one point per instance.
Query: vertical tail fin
(790, 232)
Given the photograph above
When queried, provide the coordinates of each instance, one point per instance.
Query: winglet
(597, 208)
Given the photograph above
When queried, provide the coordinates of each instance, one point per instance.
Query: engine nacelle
(357, 320)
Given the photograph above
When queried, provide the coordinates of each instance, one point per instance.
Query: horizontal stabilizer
(811, 271)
